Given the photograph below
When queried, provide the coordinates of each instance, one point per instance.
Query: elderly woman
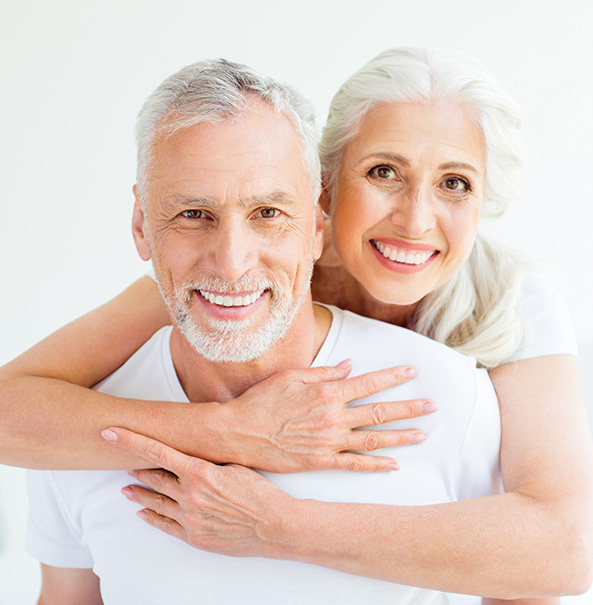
(418, 146)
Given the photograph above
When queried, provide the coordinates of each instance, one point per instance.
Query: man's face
(232, 231)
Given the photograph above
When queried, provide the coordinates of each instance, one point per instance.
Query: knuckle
(407, 409)
(328, 421)
(320, 462)
(324, 393)
(378, 414)
(371, 383)
(156, 480)
(159, 503)
(371, 441)
(354, 464)
(155, 452)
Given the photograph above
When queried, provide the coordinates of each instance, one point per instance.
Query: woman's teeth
(231, 301)
(407, 257)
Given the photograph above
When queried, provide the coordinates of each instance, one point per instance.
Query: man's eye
(455, 183)
(192, 213)
(268, 212)
(383, 172)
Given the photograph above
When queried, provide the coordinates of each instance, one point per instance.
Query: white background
(74, 74)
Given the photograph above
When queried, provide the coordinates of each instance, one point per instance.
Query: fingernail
(142, 514)
(411, 372)
(429, 407)
(345, 363)
(109, 436)
(126, 491)
(417, 438)
(393, 466)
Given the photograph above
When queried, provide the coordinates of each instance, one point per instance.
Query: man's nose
(414, 213)
(235, 249)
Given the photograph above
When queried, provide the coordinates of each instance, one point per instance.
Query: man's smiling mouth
(231, 300)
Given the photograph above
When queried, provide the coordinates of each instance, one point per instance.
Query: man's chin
(231, 345)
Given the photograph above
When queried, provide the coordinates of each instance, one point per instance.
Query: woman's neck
(333, 285)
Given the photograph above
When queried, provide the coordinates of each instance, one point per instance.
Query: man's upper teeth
(409, 257)
(230, 301)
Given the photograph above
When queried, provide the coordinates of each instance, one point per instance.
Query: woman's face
(409, 194)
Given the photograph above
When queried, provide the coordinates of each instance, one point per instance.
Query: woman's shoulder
(548, 327)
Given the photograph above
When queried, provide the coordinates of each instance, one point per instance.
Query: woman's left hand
(229, 510)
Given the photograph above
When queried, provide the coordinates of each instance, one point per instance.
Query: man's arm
(533, 541)
(66, 586)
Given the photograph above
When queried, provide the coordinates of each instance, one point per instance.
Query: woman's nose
(414, 213)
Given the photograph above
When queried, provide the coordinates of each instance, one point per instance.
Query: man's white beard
(236, 341)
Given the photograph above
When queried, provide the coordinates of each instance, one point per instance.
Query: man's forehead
(254, 157)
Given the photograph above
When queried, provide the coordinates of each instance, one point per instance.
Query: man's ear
(324, 196)
(319, 232)
(139, 228)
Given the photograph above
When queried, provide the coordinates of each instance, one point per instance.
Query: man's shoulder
(395, 341)
(148, 374)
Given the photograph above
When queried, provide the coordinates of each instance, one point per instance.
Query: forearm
(52, 424)
(507, 546)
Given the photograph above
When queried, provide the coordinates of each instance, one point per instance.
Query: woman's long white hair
(476, 312)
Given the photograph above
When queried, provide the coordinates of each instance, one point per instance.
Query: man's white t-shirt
(80, 519)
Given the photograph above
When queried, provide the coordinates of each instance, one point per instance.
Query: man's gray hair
(428, 75)
(211, 91)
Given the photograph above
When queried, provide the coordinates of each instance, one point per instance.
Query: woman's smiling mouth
(404, 257)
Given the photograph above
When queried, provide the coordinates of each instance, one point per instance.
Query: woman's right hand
(299, 420)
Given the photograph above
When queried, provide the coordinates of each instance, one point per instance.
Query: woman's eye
(455, 183)
(383, 172)
(192, 213)
(268, 212)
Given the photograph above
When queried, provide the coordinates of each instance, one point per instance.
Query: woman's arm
(536, 540)
(64, 586)
(48, 421)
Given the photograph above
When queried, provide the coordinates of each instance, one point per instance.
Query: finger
(160, 481)
(162, 522)
(324, 373)
(349, 461)
(371, 414)
(373, 382)
(159, 503)
(368, 441)
(154, 451)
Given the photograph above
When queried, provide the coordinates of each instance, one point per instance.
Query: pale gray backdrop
(73, 75)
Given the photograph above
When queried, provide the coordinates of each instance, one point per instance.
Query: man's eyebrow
(182, 200)
(267, 199)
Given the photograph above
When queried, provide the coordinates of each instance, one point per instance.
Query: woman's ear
(139, 228)
(324, 196)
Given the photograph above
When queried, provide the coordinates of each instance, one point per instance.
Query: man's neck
(203, 380)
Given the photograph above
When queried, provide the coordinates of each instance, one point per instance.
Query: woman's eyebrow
(394, 157)
(452, 165)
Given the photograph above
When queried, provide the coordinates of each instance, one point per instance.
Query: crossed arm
(49, 420)
(533, 540)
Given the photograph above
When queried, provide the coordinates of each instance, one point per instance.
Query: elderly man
(226, 210)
